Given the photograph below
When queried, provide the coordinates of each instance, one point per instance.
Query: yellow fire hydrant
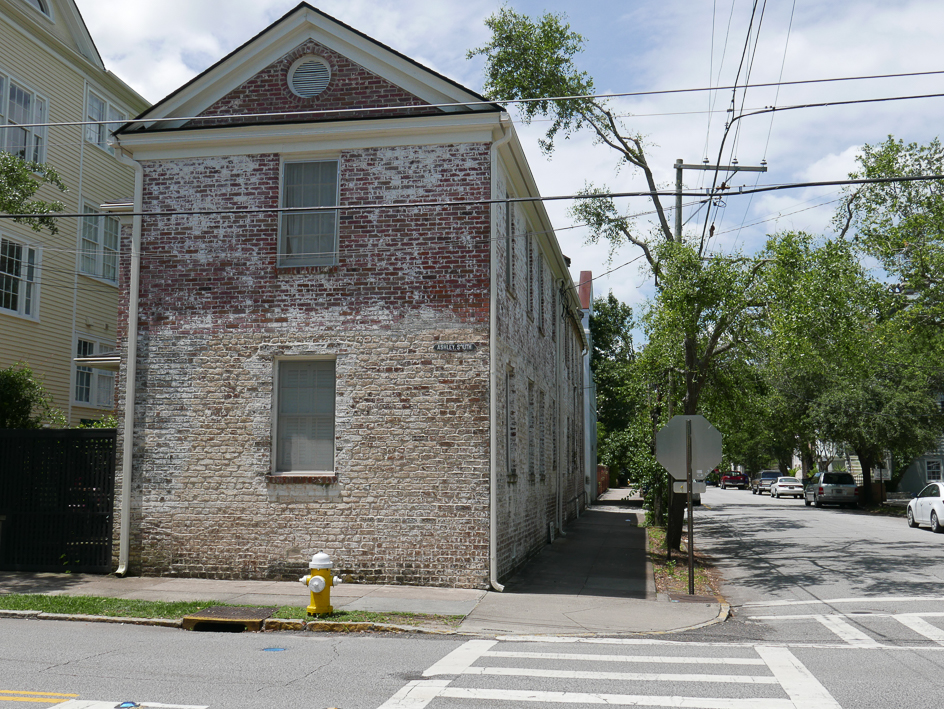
(319, 582)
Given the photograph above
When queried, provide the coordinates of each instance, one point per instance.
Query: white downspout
(124, 537)
(493, 362)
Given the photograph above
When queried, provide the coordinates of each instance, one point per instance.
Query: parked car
(782, 487)
(832, 489)
(763, 480)
(928, 508)
(733, 478)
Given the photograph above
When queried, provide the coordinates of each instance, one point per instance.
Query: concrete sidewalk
(594, 580)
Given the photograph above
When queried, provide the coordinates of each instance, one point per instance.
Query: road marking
(847, 632)
(44, 694)
(864, 599)
(718, 644)
(416, 694)
(658, 659)
(523, 695)
(86, 704)
(921, 626)
(461, 658)
(804, 690)
(623, 676)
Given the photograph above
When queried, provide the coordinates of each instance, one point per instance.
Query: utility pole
(680, 166)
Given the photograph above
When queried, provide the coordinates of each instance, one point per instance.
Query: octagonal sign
(706, 446)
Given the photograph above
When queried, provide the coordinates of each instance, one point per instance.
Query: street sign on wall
(706, 446)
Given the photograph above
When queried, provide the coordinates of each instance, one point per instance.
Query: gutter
(493, 362)
(124, 537)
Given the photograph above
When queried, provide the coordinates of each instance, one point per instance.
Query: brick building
(399, 386)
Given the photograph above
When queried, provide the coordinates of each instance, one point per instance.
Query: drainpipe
(124, 536)
(493, 364)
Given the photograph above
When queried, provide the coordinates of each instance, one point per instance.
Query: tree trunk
(676, 522)
(865, 460)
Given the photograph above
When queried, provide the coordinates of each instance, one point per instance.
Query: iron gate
(56, 495)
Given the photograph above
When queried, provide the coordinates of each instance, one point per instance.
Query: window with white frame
(19, 279)
(104, 118)
(932, 469)
(94, 387)
(40, 5)
(305, 416)
(309, 238)
(99, 247)
(21, 109)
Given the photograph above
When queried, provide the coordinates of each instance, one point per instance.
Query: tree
(20, 180)
(24, 402)
(528, 59)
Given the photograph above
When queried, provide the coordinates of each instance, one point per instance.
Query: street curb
(40, 615)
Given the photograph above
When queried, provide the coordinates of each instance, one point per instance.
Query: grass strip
(132, 608)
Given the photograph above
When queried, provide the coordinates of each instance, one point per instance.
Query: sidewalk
(594, 580)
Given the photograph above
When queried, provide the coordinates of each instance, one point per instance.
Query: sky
(636, 46)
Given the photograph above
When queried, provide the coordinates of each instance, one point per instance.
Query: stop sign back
(670, 445)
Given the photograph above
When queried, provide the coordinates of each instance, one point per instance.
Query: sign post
(688, 447)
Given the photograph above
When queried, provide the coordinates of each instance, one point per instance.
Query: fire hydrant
(319, 582)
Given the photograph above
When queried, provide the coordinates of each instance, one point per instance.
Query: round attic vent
(309, 76)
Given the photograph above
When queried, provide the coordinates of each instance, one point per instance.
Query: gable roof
(305, 24)
(63, 26)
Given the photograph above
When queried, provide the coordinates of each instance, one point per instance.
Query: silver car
(782, 487)
(832, 489)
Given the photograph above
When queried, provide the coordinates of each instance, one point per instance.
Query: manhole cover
(685, 598)
(228, 618)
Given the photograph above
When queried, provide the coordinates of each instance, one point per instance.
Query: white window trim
(276, 375)
(337, 222)
(36, 282)
(940, 470)
(110, 123)
(103, 218)
(97, 375)
(6, 78)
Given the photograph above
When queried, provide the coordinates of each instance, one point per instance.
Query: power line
(460, 104)
(502, 200)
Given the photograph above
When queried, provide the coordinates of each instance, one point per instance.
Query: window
(530, 260)
(20, 110)
(99, 246)
(311, 238)
(532, 452)
(305, 420)
(511, 427)
(40, 5)
(933, 469)
(101, 111)
(94, 387)
(542, 305)
(19, 286)
(509, 245)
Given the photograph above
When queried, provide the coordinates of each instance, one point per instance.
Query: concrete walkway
(594, 580)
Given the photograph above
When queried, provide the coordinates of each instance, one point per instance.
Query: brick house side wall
(536, 351)
(410, 504)
(351, 87)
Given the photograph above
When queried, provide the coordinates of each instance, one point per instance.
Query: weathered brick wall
(410, 504)
(351, 87)
(533, 344)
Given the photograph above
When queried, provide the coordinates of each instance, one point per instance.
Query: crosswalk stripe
(523, 695)
(653, 659)
(460, 658)
(922, 627)
(804, 690)
(844, 630)
(625, 676)
(416, 694)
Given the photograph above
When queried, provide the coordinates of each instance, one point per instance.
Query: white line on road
(623, 676)
(457, 661)
(416, 694)
(847, 632)
(830, 601)
(87, 704)
(655, 659)
(921, 626)
(680, 643)
(523, 695)
(801, 686)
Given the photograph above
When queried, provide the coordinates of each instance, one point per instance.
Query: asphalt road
(831, 608)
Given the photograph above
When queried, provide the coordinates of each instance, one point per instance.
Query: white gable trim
(309, 137)
(282, 38)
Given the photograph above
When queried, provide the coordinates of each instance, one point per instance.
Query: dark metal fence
(56, 495)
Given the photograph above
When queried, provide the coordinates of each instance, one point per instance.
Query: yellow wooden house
(59, 293)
